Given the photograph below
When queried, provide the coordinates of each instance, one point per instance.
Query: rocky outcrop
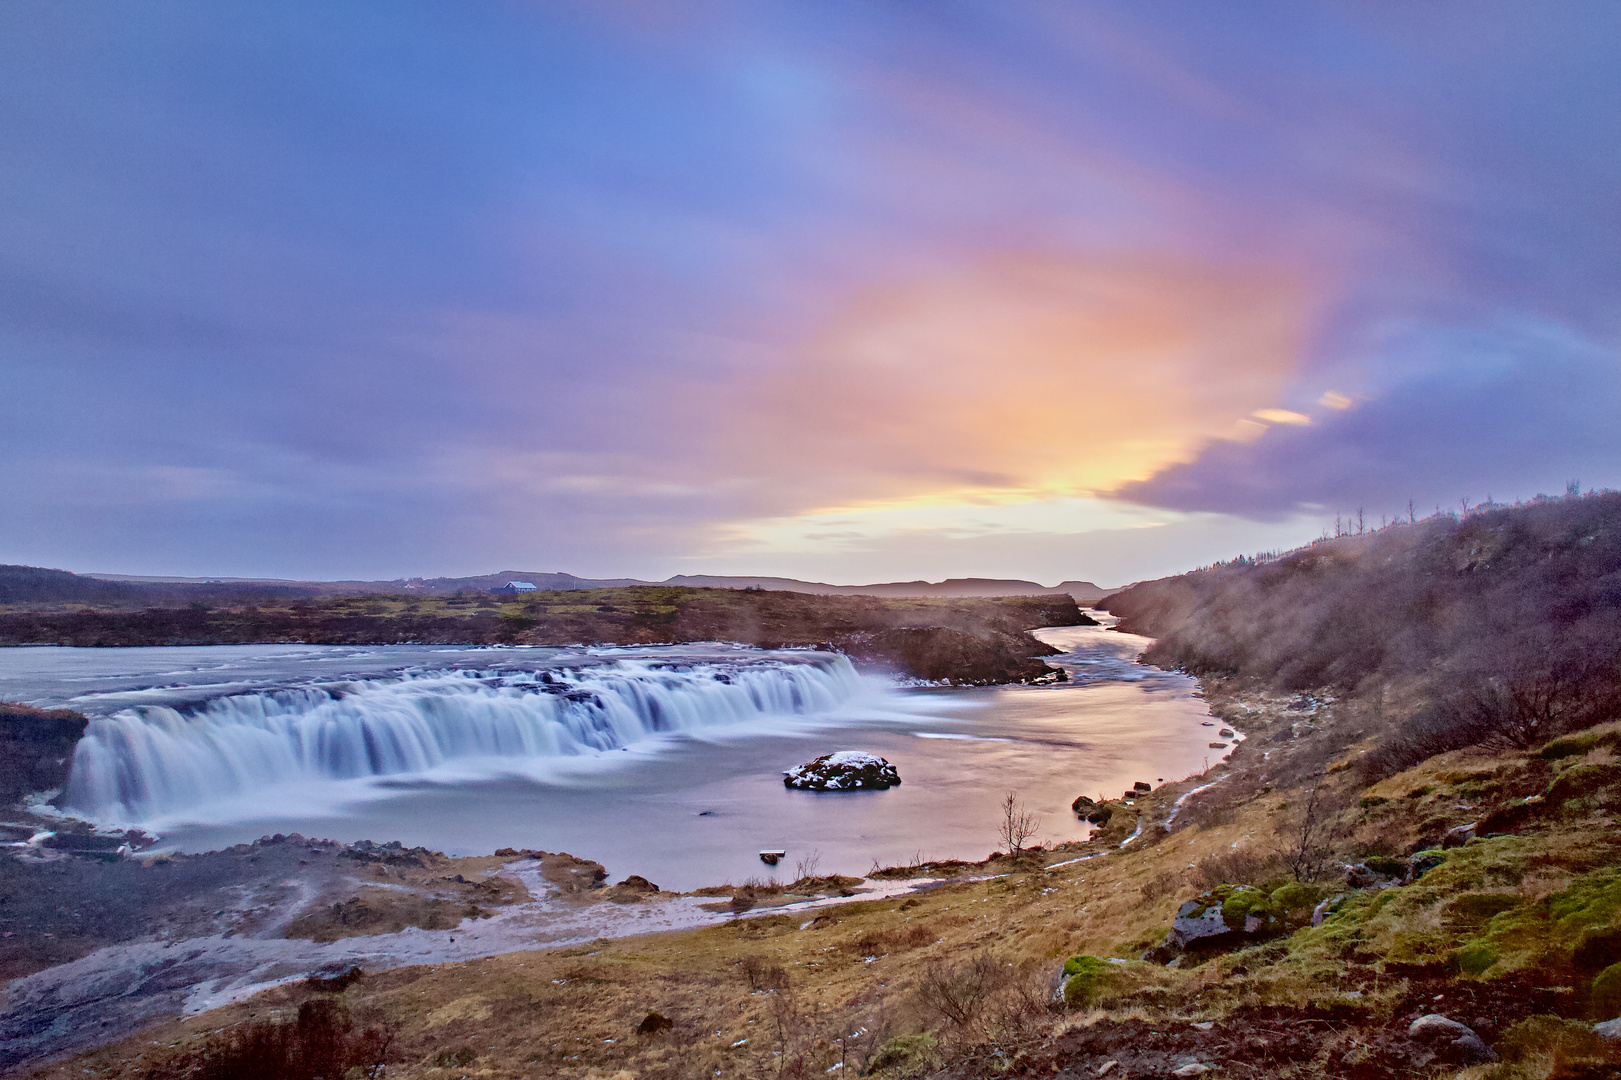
(948, 654)
(36, 748)
(1232, 916)
(632, 890)
(847, 770)
(1095, 813)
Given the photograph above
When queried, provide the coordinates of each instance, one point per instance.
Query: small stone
(1191, 1070)
(1434, 1026)
(1610, 1030)
(1107, 1067)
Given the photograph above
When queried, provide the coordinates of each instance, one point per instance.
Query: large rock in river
(847, 770)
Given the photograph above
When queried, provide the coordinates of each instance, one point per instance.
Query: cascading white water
(141, 765)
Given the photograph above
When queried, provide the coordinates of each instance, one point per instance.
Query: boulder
(847, 770)
(1609, 1030)
(1233, 915)
(633, 889)
(653, 1023)
(1443, 1032)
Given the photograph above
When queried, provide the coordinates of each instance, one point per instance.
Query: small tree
(1018, 824)
(1307, 853)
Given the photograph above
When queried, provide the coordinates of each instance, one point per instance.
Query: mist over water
(665, 761)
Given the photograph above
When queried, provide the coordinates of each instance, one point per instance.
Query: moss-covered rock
(1085, 980)
(903, 1051)
(1579, 781)
(1606, 999)
(1582, 742)
(1550, 1037)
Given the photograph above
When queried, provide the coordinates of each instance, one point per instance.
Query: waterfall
(140, 765)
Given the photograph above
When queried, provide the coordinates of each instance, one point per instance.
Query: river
(665, 761)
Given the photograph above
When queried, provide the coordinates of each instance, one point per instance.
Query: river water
(665, 762)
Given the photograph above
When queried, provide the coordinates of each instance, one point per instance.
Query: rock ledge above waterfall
(847, 770)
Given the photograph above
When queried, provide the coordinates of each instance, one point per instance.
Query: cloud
(1506, 409)
(1019, 374)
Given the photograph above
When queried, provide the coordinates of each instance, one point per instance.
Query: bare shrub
(1022, 1004)
(324, 1041)
(959, 993)
(808, 867)
(899, 939)
(762, 976)
(1306, 848)
(1018, 824)
(1164, 883)
(1241, 866)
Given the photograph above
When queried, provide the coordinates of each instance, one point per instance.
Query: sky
(844, 291)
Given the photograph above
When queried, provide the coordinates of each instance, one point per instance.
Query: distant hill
(1083, 592)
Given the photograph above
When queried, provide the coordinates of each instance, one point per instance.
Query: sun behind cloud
(1021, 377)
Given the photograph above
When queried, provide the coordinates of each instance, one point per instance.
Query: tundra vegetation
(1410, 867)
(962, 640)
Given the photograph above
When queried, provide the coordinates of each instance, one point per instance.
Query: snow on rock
(847, 770)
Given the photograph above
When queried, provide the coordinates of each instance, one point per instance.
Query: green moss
(902, 1051)
(1580, 743)
(1086, 979)
(1295, 897)
(1580, 780)
(1481, 906)
(1551, 1036)
(1473, 961)
(1607, 991)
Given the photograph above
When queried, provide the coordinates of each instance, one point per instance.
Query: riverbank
(962, 641)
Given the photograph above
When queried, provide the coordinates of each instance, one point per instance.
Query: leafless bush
(324, 1041)
(1306, 848)
(761, 976)
(1164, 883)
(958, 993)
(1022, 1003)
(1241, 866)
(1018, 824)
(808, 867)
(898, 939)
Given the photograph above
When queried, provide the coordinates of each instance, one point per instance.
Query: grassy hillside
(1504, 626)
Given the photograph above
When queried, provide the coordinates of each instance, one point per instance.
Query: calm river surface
(665, 762)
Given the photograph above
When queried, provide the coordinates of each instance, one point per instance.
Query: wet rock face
(847, 770)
